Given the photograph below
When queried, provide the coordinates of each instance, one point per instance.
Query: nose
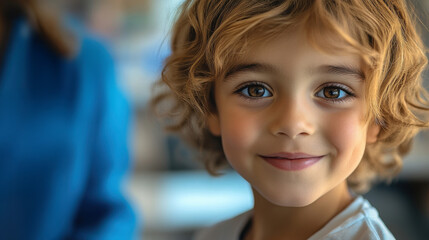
(292, 118)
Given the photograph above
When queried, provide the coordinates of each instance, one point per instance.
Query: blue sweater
(63, 143)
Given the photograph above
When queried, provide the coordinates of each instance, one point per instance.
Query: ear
(372, 132)
(213, 124)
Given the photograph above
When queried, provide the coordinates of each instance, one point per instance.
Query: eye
(254, 90)
(334, 93)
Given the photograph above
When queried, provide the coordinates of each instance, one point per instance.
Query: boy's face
(291, 119)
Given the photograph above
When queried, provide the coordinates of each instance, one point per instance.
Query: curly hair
(209, 36)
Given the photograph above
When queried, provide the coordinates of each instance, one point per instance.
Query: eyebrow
(345, 70)
(341, 70)
(250, 67)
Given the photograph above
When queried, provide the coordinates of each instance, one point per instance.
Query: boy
(306, 100)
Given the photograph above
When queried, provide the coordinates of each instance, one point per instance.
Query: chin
(294, 202)
(291, 199)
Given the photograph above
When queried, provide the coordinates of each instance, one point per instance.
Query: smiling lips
(291, 161)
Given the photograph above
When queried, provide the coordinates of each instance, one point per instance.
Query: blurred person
(63, 131)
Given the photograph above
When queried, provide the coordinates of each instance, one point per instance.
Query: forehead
(326, 32)
(292, 50)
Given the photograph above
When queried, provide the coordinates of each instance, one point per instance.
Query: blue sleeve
(104, 212)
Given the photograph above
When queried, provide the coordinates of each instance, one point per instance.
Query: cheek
(239, 131)
(347, 134)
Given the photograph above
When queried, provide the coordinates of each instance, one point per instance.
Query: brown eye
(255, 91)
(331, 92)
(335, 93)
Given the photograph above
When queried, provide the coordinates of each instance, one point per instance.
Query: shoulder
(360, 220)
(90, 53)
(91, 50)
(227, 230)
(92, 68)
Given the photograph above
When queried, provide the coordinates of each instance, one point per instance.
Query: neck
(274, 222)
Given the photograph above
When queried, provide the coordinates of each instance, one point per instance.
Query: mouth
(291, 161)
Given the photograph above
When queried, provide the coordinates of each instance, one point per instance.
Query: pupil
(331, 92)
(256, 91)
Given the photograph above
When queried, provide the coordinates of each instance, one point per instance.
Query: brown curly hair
(209, 36)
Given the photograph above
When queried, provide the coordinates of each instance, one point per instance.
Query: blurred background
(168, 187)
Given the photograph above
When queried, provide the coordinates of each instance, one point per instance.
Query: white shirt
(359, 221)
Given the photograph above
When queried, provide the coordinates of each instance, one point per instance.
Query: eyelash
(241, 88)
(349, 93)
